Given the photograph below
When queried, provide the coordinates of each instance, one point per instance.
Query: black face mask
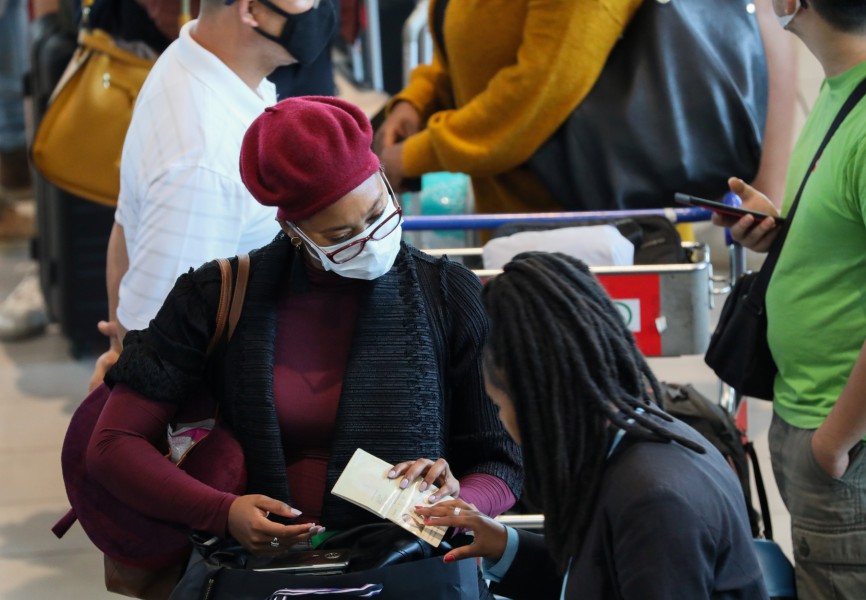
(305, 35)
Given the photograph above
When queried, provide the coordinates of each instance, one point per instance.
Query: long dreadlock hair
(569, 365)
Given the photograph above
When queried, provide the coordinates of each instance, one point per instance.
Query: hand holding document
(365, 482)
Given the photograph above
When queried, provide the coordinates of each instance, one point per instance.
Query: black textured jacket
(412, 387)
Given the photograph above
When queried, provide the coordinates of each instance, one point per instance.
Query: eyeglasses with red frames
(352, 249)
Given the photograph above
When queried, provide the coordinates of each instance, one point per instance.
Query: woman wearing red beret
(348, 339)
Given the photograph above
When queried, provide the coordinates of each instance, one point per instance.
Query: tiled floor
(40, 386)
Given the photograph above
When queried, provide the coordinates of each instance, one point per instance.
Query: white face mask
(785, 20)
(375, 259)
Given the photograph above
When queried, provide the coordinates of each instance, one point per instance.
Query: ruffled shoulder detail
(166, 361)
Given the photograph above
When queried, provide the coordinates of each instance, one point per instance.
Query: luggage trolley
(667, 307)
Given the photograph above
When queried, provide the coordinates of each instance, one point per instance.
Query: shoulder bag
(145, 557)
(78, 142)
(738, 351)
(679, 106)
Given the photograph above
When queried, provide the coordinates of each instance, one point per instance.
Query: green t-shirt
(816, 302)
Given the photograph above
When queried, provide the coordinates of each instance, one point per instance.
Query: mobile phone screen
(723, 209)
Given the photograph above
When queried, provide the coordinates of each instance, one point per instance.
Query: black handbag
(680, 106)
(392, 563)
(738, 351)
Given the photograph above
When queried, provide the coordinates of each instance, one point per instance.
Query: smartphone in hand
(724, 209)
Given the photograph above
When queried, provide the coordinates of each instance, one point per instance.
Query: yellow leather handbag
(78, 143)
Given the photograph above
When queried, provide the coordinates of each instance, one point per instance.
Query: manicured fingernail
(449, 558)
(295, 512)
(431, 499)
(392, 474)
(428, 519)
(423, 486)
(404, 483)
(419, 507)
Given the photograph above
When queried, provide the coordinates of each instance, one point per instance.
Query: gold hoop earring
(297, 242)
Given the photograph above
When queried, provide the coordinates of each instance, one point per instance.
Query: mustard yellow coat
(515, 70)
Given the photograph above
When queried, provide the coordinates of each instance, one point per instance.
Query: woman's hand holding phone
(748, 231)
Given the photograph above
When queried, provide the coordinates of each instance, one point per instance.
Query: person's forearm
(117, 264)
(122, 458)
(781, 51)
(489, 494)
(846, 423)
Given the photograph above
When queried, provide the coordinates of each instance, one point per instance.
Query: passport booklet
(365, 482)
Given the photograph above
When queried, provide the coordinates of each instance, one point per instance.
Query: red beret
(305, 153)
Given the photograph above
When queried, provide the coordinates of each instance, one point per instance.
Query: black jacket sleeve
(533, 573)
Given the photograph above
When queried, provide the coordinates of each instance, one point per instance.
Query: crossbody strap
(763, 278)
(240, 292)
(232, 293)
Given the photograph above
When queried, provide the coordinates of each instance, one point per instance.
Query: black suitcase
(72, 235)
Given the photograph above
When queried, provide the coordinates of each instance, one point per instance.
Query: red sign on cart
(638, 299)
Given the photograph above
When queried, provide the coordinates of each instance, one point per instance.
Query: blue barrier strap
(492, 221)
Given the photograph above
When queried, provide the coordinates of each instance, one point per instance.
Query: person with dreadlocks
(636, 503)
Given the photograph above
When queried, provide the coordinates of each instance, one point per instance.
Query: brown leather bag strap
(240, 291)
(223, 307)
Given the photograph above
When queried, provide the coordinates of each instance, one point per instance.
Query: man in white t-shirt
(182, 201)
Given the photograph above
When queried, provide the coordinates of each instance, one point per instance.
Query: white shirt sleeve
(188, 216)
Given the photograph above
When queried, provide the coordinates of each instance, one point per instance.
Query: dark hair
(848, 16)
(569, 364)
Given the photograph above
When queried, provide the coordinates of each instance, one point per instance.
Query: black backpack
(710, 420)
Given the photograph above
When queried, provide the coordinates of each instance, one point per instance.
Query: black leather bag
(398, 564)
(680, 106)
(739, 352)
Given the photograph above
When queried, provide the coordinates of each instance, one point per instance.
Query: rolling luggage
(72, 233)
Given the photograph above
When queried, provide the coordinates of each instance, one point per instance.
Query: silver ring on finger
(275, 543)
(456, 511)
